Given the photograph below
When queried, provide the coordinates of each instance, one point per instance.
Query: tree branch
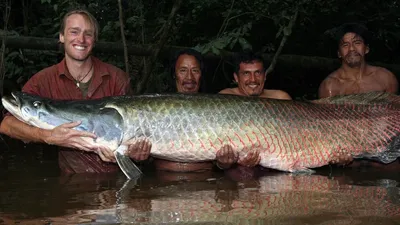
(121, 24)
(6, 17)
(225, 22)
(286, 34)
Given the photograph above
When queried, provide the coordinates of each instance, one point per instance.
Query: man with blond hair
(78, 76)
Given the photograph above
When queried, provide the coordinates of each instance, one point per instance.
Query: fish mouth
(12, 104)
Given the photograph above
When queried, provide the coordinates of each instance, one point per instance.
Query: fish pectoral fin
(125, 163)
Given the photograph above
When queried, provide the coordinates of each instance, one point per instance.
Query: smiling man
(355, 75)
(78, 76)
(250, 77)
(187, 71)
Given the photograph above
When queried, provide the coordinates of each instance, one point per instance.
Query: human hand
(138, 150)
(226, 156)
(64, 135)
(342, 159)
(252, 159)
(106, 154)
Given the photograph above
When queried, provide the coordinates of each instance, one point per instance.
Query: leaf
(245, 45)
(220, 43)
(215, 50)
(232, 44)
(287, 31)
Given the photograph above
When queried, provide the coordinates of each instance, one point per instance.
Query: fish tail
(387, 154)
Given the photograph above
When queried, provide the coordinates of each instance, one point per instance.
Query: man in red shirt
(78, 76)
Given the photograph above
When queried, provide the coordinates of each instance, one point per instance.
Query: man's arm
(15, 128)
(63, 135)
(328, 88)
(392, 84)
(228, 91)
(282, 95)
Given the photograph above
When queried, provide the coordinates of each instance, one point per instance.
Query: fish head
(33, 110)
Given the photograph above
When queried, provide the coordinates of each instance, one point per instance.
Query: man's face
(188, 74)
(352, 50)
(251, 78)
(78, 37)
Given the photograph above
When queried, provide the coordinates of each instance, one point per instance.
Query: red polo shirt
(56, 82)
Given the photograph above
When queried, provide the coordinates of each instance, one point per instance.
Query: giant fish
(291, 136)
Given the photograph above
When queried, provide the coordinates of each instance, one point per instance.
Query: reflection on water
(42, 196)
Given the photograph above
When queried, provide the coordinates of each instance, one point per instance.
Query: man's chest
(366, 84)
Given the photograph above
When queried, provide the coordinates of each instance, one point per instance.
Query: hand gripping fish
(291, 136)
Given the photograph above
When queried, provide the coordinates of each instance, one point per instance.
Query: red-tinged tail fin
(387, 154)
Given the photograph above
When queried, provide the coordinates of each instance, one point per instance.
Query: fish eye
(37, 104)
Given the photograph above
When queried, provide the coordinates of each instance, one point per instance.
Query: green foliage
(212, 26)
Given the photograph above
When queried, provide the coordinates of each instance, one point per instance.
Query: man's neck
(78, 68)
(355, 73)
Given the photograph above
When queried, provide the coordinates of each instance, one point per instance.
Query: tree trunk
(121, 24)
(141, 86)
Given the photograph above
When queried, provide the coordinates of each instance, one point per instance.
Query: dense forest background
(140, 36)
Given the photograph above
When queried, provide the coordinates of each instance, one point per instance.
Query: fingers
(252, 159)
(226, 155)
(70, 125)
(342, 159)
(106, 154)
(68, 131)
(139, 150)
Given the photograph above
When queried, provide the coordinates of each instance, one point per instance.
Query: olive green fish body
(290, 135)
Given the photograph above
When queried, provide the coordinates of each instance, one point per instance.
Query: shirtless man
(187, 68)
(250, 76)
(355, 75)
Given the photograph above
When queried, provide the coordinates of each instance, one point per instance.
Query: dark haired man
(250, 76)
(355, 75)
(187, 67)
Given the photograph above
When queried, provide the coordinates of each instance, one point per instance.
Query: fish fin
(361, 99)
(125, 163)
(302, 171)
(389, 154)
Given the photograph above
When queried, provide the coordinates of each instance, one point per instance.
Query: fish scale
(290, 135)
(339, 125)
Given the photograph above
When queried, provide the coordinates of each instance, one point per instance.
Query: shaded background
(214, 27)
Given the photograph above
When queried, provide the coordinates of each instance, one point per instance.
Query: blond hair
(87, 16)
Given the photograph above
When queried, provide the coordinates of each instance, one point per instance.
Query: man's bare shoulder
(330, 85)
(379, 71)
(334, 76)
(230, 91)
(275, 94)
(385, 77)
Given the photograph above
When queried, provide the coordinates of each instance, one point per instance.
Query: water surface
(32, 191)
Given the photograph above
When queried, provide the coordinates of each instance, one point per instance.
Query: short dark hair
(188, 51)
(200, 59)
(247, 57)
(357, 28)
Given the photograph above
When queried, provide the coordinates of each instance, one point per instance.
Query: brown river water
(32, 191)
